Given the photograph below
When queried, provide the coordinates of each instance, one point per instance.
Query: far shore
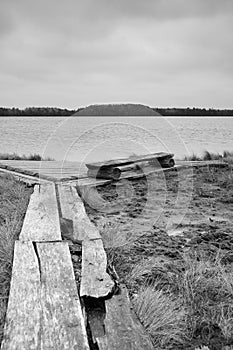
(62, 112)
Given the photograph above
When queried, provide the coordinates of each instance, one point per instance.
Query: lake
(98, 138)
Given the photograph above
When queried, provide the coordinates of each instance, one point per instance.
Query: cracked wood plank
(95, 281)
(122, 327)
(75, 223)
(44, 311)
(23, 319)
(41, 222)
(63, 322)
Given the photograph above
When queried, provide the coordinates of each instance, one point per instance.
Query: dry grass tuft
(189, 300)
(162, 316)
(15, 156)
(226, 156)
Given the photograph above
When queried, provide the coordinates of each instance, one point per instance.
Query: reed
(226, 156)
(15, 156)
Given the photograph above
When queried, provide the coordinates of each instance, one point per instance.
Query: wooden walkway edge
(44, 308)
(44, 311)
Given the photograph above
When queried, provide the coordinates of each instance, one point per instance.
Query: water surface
(99, 138)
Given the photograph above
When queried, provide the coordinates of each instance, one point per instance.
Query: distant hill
(117, 110)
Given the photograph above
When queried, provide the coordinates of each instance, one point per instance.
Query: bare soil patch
(170, 240)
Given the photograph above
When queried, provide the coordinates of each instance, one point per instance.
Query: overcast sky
(74, 53)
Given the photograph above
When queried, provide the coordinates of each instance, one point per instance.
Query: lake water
(99, 138)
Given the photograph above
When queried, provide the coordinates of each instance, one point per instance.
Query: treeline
(176, 112)
(53, 111)
(36, 111)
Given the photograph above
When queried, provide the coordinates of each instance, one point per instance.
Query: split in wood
(44, 311)
(113, 325)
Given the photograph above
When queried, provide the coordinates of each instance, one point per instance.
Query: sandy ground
(189, 207)
(165, 215)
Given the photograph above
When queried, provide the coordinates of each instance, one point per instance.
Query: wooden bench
(112, 169)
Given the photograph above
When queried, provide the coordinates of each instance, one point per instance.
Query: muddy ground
(171, 211)
(165, 215)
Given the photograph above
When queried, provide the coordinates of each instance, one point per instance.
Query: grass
(190, 302)
(15, 156)
(161, 314)
(181, 286)
(183, 293)
(225, 156)
(14, 197)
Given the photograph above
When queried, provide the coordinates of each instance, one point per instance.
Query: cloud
(115, 50)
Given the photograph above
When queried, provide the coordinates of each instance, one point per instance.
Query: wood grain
(125, 161)
(95, 282)
(79, 227)
(23, 321)
(122, 327)
(44, 311)
(63, 322)
(41, 222)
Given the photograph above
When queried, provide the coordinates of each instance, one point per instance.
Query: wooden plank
(43, 169)
(91, 182)
(95, 282)
(90, 195)
(41, 222)
(104, 173)
(44, 311)
(31, 180)
(124, 161)
(23, 319)
(62, 318)
(74, 220)
(122, 327)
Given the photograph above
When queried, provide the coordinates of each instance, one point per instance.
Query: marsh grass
(15, 156)
(14, 197)
(226, 156)
(163, 316)
(195, 304)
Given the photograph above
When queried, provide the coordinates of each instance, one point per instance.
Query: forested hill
(124, 109)
(53, 111)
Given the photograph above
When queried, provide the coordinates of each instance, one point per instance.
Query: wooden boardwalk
(75, 173)
(45, 309)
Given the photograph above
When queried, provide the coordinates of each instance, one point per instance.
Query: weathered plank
(55, 170)
(95, 282)
(44, 311)
(31, 180)
(122, 327)
(74, 221)
(90, 195)
(104, 173)
(125, 161)
(63, 322)
(41, 222)
(23, 320)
